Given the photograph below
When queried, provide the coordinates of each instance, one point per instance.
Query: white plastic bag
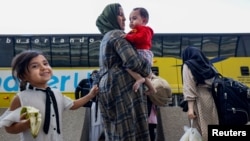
(191, 134)
(9, 117)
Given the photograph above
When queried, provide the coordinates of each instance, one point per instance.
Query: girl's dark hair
(20, 64)
(143, 12)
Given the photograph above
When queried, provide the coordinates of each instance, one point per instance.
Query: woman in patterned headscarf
(124, 111)
(198, 75)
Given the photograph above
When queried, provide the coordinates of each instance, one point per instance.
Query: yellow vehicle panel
(5, 99)
(234, 67)
(169, 69)
(70, 95)
(237, 68)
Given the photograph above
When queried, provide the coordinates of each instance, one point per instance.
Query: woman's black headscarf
(198, 63)
(108, 19)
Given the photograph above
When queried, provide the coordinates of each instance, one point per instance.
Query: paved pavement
(173, 120)
(72, 126)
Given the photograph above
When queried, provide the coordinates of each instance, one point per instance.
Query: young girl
(33, 71)
(140, 36)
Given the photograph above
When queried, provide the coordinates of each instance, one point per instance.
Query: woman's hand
(191, 114)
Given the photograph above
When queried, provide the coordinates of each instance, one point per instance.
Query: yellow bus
(74, 56)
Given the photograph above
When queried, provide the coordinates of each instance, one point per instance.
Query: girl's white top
(31, 97)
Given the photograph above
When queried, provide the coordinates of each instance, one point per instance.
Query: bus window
(155, 70)
(228, 46)
(171, 46)
(42, 44)
(21, 44)
(93, 52)
(157, 46)
(79, 51)
(191, 41)
(243, 49)
(6, 51)
(210, 46)
(60, 51)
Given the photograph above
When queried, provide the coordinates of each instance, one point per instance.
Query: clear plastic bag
(191, 134)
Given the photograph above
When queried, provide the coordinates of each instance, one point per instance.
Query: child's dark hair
(20, 64)
(143, 12)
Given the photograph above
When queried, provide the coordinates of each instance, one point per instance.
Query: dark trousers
(152, 133)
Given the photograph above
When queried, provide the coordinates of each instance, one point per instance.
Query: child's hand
(25, 122)
(94, 91)
(123, 35)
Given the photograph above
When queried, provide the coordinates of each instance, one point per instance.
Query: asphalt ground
(173, 120)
